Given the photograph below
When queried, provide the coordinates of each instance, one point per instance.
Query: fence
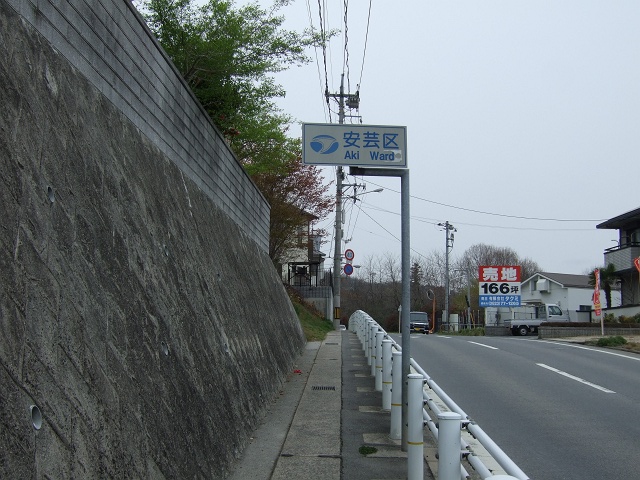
(461, 443)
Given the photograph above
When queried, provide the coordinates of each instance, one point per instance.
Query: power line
(495, 214)
(323, 37)
(432, 221)
(366, 38)
(396, 238)
(345, 63)
(327, 113)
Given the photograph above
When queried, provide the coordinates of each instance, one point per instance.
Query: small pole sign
(349, 254)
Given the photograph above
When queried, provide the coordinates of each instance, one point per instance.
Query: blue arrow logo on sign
(324, 144)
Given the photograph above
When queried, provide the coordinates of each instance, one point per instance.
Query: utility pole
(468, 295)
(448, 229)
(352, 101)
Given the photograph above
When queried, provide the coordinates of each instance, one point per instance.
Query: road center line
(577, 379)
(483, 345)
(581, 347)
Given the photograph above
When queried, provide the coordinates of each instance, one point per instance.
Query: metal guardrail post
(386, 373)
(396, 396)
(378, 372)
(372, 348)
(370, 327)
(365, 334)
(367, 340)
(354, 323)
(415, 428)
(449, 446)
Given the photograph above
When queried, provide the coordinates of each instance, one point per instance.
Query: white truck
(527, 318)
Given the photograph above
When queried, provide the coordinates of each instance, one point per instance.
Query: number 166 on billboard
(499, 286)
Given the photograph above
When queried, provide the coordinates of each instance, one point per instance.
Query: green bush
(611, 341)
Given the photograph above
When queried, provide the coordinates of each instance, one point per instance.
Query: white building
(572, 293)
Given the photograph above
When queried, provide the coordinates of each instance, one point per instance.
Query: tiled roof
(567, 279)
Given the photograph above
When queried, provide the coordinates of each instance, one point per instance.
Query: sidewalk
(325, 414)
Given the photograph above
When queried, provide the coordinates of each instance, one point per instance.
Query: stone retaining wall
(144, 326)
(560, 332)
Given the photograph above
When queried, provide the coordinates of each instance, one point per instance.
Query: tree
(608, 280)
(483, 254)
(226, 55)
(295, 195)
(391, 273)
(416, 287)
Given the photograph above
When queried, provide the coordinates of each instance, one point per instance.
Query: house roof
(621, 220)
(564, 279)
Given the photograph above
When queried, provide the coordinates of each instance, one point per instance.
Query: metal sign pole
(405, 304)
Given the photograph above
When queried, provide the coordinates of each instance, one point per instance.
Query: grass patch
(631, 346)
(618, 342)
(314, 325)
(367, 450)
(611, 341)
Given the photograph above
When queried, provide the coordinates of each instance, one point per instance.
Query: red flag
(596, 294)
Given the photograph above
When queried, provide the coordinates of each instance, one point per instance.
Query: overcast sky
(512, 108)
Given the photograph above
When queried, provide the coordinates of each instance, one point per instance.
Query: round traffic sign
(348, 269)
(348, 254)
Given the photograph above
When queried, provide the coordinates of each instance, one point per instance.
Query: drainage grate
(329, 343)
(322, 387)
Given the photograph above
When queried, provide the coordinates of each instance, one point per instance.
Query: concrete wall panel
(109, 44)
(148, 327)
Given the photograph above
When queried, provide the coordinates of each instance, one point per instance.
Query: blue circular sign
(348, 269)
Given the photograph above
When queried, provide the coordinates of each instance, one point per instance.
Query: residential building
(572, 293)
(622, 256)
(303, 268)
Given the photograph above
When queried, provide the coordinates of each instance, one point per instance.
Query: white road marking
(566, 344)
(483, 345)
(577, 379)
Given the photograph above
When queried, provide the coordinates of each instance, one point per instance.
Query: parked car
(419, 322)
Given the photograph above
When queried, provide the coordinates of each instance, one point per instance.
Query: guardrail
(457, 436)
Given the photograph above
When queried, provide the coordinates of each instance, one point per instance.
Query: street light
(355, 196)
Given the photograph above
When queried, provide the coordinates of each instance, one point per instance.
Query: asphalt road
(560, 411)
